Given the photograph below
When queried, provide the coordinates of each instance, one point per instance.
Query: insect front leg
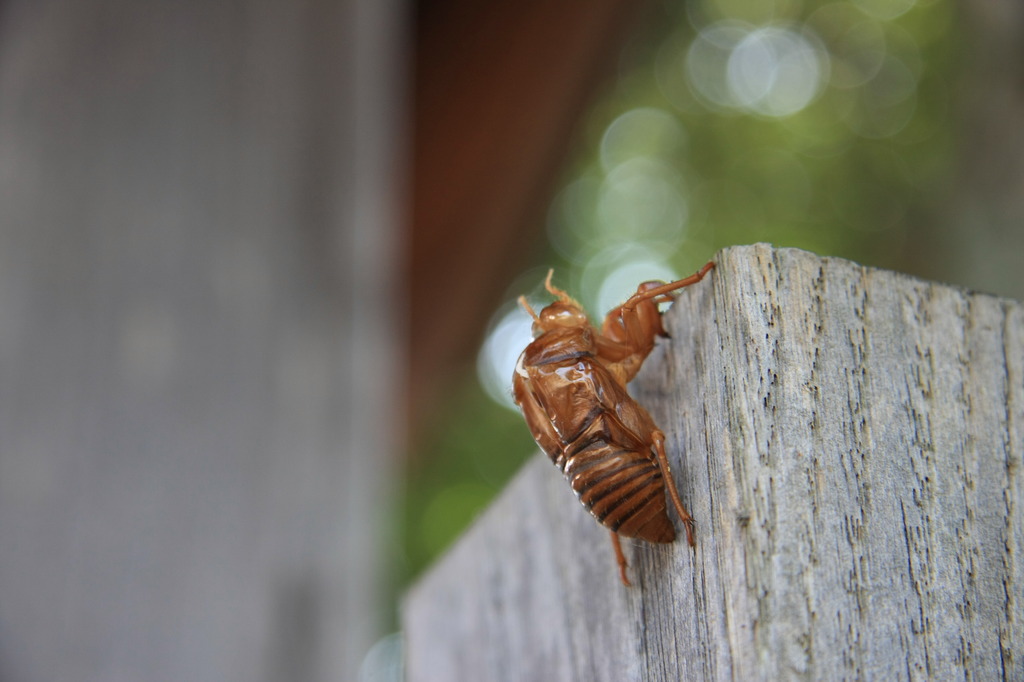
(537, 419)
(631, 329)
(628, 332)
(658, 438)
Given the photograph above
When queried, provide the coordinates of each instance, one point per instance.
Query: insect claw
(689, 532)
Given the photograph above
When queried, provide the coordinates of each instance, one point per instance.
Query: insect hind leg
(620, 557)
(658, 438)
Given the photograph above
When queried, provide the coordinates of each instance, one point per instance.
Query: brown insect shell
(569, 353)
(566, 391)
(559, 315)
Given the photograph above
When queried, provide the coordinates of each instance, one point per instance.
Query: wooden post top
(849, 443)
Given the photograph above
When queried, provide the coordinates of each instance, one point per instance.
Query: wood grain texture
(849, 443)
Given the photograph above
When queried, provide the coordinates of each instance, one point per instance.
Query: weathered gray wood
(197, 351)
(849, 442)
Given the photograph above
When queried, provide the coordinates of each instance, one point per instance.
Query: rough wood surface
(849, 443)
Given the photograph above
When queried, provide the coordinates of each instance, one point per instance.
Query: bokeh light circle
(769, 70)
(775, 71)
(642, 201)
(497, 358)
(644, 131)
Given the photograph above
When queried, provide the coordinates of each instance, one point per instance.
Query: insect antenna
(558, 293)
(526, 306)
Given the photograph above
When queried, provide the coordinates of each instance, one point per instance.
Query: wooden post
(849, 442)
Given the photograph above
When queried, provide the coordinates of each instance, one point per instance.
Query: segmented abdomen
(622, 488)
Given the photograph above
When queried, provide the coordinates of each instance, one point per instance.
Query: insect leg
(666, 288)
(658, 438)
(628, 333)
(620, 557)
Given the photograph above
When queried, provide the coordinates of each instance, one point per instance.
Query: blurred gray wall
(197, 335)
(982, 224)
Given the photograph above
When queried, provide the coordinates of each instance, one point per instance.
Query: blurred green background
(829, 126)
